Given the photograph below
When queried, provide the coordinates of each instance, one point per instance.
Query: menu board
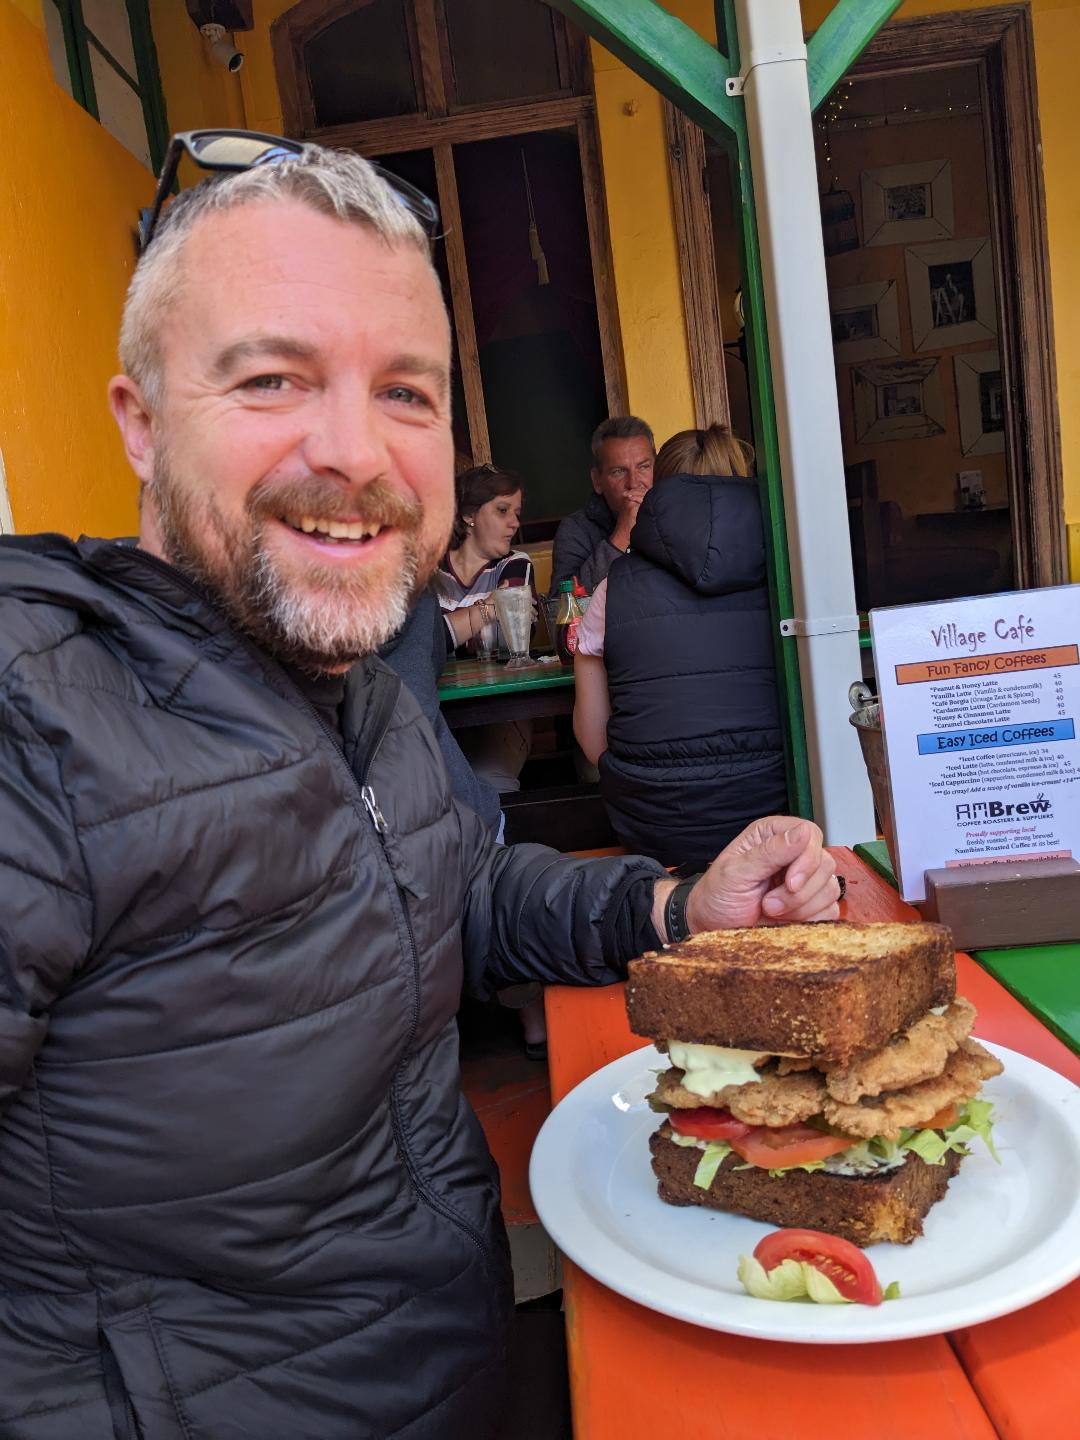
(980, 700)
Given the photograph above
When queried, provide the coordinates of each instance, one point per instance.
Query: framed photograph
(951, 293)
(980, 399)
(907, 202)
(897, 400)
(865, 321)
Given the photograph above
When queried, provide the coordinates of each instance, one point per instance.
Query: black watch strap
(675, 911)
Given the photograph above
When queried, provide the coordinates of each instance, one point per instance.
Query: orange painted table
(636, 1375)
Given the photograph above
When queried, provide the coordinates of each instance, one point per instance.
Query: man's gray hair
(619, 427)
(331, 182)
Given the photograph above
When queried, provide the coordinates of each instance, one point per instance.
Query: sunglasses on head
(244, 149)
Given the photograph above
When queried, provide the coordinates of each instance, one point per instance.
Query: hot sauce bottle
(568, 619)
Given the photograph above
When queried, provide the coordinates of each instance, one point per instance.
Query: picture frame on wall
(902, 203)
(951, 293)
(865, 321)
(980, 400)
(897, 400)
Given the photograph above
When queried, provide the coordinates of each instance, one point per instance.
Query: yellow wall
(197, 90)
(69, 194)
(644, 252)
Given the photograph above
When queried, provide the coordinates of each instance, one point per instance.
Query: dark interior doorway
(534, 310)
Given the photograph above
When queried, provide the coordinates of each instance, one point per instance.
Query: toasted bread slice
(828, 991)
(890, 1206)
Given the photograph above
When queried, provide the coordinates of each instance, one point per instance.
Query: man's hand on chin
(776, 870)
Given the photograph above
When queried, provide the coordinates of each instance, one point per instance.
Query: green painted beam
(674, 59)
(840, 39)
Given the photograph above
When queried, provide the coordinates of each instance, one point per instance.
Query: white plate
(1004, 1236)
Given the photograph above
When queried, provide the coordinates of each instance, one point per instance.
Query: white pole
(780, 128)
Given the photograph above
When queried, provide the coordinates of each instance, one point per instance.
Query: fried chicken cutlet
(773, 1100)
(918, 1053)
(898, 1110)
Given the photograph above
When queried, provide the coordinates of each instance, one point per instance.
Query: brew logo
(976, 811)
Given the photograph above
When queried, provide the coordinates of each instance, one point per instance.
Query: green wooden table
(1046, 978)
(479, 692)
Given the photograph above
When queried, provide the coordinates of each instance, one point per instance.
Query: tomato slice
(774, 1148)
(845, 1264)
(707, 1123)
(943, 1119)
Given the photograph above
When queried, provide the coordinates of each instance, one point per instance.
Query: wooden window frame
(79, 40)
(697, 268)
(439, 130)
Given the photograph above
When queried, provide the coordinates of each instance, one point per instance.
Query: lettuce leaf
(714, 1155)
(974, 1122)
(790, 1280)
(785, 1169)
(820, 1288)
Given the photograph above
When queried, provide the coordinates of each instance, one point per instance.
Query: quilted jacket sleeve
(577, 551)
(531, 913)
(46, 913)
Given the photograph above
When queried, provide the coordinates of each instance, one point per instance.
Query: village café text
(951, 637)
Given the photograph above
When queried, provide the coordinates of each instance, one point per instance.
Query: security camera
(222, 50)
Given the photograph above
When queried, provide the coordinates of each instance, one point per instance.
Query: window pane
(119, 108)
(535, 309)
(107, 20)
(54, 31)
(360, 67)
(501, 49)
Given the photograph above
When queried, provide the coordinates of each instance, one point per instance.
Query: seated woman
(676, 695)
(480, 560)
(481, 557)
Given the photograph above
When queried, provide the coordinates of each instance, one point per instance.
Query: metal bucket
(866, 718)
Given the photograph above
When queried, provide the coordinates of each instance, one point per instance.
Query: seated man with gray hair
(588, 542)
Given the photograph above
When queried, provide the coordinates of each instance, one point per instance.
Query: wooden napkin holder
(1008, 902)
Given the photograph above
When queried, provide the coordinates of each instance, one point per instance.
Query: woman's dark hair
(715, 451)
(476, 487)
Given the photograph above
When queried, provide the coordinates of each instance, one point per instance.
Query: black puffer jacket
(694, 743)
(241, 1196)
(582, 546)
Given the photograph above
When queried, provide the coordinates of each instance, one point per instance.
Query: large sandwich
(821, 1076)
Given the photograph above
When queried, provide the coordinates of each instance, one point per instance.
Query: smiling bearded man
(323, 618)
(241, 1193)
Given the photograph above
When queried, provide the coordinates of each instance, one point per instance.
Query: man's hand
(626, 514)
(775, 870)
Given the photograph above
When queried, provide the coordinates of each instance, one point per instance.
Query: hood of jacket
(706, 529)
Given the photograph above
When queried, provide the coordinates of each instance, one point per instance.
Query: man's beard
(321, 617)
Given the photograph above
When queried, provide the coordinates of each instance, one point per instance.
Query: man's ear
(132, 415)
(595, 473)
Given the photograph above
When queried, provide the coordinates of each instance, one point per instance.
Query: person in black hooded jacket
(676, 696)
(241, 1193)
